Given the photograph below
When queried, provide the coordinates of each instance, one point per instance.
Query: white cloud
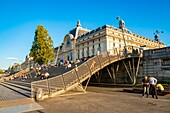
(12, 58)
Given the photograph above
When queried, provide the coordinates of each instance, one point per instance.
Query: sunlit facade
(81, 42)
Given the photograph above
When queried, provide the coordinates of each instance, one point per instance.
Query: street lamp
(122, 27)
(125, 47)
(56, 59)
(156, 36)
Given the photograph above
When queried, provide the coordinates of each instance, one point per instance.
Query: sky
(20, 18)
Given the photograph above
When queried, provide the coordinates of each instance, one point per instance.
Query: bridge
(70, 81)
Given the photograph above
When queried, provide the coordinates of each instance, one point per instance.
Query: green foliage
(1, 71)
(42, 48)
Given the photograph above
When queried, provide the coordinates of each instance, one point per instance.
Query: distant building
(81, 42)
(156, 62)
(16, 67)
(27, 63)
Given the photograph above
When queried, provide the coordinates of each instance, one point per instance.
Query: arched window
(68, 42)
(71, 56)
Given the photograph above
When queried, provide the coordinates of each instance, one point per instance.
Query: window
(78, 54)
(83, 53)
(88, 48)
(93, 50)
(70, 56)
(68, 42)
(99, 48)
(87, 51)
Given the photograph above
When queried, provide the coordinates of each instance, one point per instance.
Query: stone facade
(156, 63)
(80, 42)
(16, 67)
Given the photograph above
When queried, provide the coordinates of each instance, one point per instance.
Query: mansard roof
(78, 31)
(117, 29)
(93, 31)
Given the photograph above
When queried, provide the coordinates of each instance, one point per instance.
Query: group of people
(25, 76)
(67, 63)
(151, 85)
(42, 75)
(42, 71)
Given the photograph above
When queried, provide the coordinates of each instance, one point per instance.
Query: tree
(42, 48)
(1, 71)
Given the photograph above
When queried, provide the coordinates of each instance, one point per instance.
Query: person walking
(152, 83)
(145, 83)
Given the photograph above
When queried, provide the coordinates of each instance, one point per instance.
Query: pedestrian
(38, 74)
(160, 88)
(152, 83)
(46, 75)
(42, 75)
(76, 68)
(145, 83)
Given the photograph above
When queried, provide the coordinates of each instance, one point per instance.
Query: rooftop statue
(121, 23)
(78, 23)
(157, 38)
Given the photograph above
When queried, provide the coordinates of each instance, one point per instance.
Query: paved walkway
(96, 100)
(13, 102)
(18, 106)
(105, 100)
(7, 94)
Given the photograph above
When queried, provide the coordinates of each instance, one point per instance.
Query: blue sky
(19, 19)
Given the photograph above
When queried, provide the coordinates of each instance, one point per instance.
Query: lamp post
(58, 50)
(125, 47)
(122, 27)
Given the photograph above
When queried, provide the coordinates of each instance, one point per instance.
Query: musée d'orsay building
(81, 42)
